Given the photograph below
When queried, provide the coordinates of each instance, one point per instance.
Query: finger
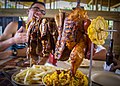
(23, 29)
(24, 40)
(20, 30)
(23, 34)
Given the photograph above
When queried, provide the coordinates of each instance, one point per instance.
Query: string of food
(75, 34)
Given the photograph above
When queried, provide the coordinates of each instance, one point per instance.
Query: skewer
(111, 30)
(78, 3)
(30, 62)
(100, 29)
(90, 66)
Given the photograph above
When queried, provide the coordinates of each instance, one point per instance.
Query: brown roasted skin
(74, 42)
(40, 41)
(34, 40)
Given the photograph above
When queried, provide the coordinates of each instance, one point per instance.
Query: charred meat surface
(41, 40)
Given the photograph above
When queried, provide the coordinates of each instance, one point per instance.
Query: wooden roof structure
(111, 3)
(110, 15)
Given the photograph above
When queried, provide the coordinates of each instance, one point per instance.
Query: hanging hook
(78, 3)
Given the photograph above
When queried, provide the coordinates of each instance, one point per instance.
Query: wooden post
(5, 3)
(101, 4)
(116, 37)
(50, 4)
(93, 4)
(109, 5)
(53, 4)
(96, 4)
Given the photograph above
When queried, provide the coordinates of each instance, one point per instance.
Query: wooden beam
(116, 5)
(109, 5)
(101, 3)
(96, 5)
(52, 12)
(90, 2)
(115, 16)
(93, 1)
(13, 12)
(50, 4)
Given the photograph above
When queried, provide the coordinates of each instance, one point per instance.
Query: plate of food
(64, 78)
(106, 78)
(31, 75)
(85, 62)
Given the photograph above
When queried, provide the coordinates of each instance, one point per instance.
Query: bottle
(109, 54)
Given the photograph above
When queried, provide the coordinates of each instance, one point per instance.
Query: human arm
(116, 64)
(7, 43)
(9, 31)
(6, 39)
(8, 53)
(18, 38)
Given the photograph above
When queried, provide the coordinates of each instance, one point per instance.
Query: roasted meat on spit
(73, 42)
(40, 41)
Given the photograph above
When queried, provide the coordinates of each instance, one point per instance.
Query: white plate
(85, 63)
(22, 84)
(106, 78)
(36, 70)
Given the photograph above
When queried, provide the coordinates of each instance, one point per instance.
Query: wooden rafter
(51, 13)
(116, 5)
(113, 3)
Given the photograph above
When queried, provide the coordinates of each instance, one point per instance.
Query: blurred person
(11, 36)
(17, 38)
(116, 65)
(100, 53)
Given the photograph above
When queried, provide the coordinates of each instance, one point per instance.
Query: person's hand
(116, 66)
(22, 30)
(21, 36)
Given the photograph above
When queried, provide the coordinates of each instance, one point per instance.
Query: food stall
(73, 72)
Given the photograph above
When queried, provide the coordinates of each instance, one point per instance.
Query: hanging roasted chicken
(73, 41)
(40, 41)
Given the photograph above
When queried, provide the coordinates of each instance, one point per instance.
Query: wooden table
(97, 66)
